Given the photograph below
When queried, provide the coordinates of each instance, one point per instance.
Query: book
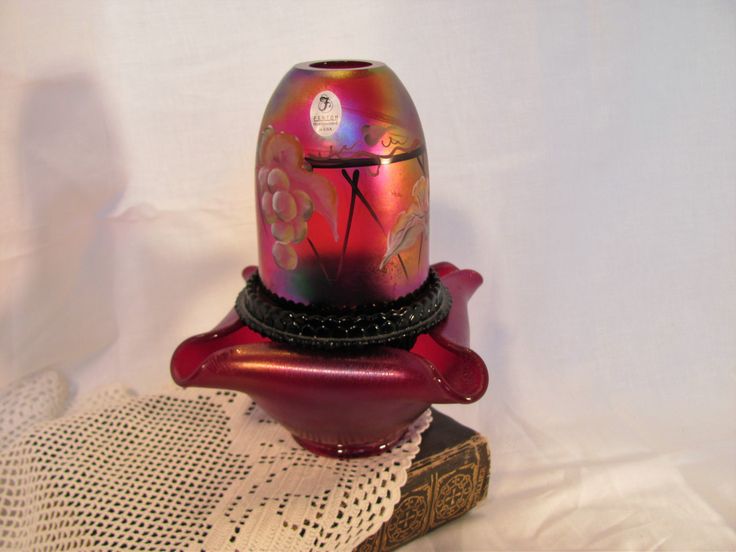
(448, 477)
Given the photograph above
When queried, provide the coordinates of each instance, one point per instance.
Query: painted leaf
(323, 194)
(283, 150)
(420, 191)
(408, 228)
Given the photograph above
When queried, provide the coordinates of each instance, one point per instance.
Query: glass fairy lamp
(344, 333)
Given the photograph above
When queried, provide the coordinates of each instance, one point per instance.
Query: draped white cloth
(191, 470)
(583, 158)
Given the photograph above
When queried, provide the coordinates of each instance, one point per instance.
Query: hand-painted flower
(289, 193)
(411, 225)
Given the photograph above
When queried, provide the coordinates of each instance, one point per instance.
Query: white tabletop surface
(583, 158)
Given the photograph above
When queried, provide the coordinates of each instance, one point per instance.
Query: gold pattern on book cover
(439, 488)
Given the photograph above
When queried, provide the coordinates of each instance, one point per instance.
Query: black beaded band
(397, 323)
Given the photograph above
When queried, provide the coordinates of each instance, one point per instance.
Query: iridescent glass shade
(342, 187)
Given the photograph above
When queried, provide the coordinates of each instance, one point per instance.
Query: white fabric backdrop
(583, 159)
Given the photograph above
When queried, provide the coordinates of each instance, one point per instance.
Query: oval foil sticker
(326, 113)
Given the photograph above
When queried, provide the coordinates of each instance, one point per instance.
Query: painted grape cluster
(287, 211)
(289, 193)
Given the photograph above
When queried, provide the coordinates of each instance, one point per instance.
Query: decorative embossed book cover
(448, 477)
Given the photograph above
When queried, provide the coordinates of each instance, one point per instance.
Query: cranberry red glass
(343, 333)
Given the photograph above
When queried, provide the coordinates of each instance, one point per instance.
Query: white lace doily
(186, 470)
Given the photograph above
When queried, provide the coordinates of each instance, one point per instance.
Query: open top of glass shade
(338, 64)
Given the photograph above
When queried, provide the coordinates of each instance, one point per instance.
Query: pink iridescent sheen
(348, 403)
(343, 219)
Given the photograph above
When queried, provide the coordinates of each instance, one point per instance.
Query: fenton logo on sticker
(326, 113)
